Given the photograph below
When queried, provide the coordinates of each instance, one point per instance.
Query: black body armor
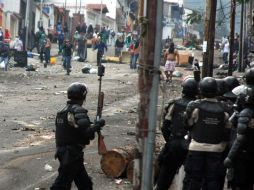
(209, 127)
(73, 126)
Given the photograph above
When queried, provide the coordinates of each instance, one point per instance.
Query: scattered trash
(2, 65)
(133, 110)
(41, 88)
(47, 137)
(131, 133)
(43, 118)
(30, 68)
(86, 69)
(27, 128)
(60, 92)
(93, 71)
(118, 181)
(223, 67)
(75, 58)
(48, 168)
(177, 74)
(129, 83)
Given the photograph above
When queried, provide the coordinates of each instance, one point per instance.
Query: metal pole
(27, 21)
(232, 35)
(76, 8)
(147, 178)
(101, 17)
(41, 6)
(80, 6)
(241, 41)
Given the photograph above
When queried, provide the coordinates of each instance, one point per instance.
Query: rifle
(101, 144)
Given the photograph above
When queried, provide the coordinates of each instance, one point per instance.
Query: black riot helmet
(77, 91)
(249, 76)
(221, 87)
(190, 87)
(208, 87)
(231, 82)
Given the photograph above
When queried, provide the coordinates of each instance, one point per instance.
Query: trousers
(71, 169)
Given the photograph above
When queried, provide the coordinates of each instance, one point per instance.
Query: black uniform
(174, 152)
(241, 155)
(73, 133)
(207, 121)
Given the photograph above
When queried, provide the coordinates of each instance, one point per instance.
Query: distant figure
(100, 45)
(4, 53)
(90, 31)
(47, 49)
(18, 44)
(119, 46)
(1, 34)
(60, 42)
(67, 53)
(225, 51)
(171, 57)
(134, 51)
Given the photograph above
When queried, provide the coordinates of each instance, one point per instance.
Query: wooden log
(115, 161)
(119, 162)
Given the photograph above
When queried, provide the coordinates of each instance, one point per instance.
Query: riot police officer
(73, 132)
(175, 150)
(231, 83)
(207, 121)
(241, 155)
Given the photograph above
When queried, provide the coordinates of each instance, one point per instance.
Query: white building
(12, 17)
(45, 18)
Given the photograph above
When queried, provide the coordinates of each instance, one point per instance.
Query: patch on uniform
(71, 120)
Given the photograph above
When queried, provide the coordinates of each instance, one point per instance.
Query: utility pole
(101, 17)
(208, 45)
(232, 36)
(241, 41)
(149, 64)
(27, 22)
(41, 6)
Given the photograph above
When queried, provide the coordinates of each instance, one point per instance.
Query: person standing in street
(82, 47)
(172, 58)
(67, 54)
(100, 45)
(225, 51)
(134, 50)
(4, 54)
(173, 155)
(42, 41)
(73, 132)
(207, 121)
(47, 49)
(1, 34)
(119, 46)
(60, 40)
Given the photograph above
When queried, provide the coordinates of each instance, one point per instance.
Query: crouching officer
(207, 121)
(175, 150)
(241, 155)
(73, 132)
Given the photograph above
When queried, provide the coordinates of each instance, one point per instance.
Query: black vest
(66, 134)
(210, 126)
(249, 143)
(177, 127)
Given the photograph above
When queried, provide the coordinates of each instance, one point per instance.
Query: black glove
(99, 124)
